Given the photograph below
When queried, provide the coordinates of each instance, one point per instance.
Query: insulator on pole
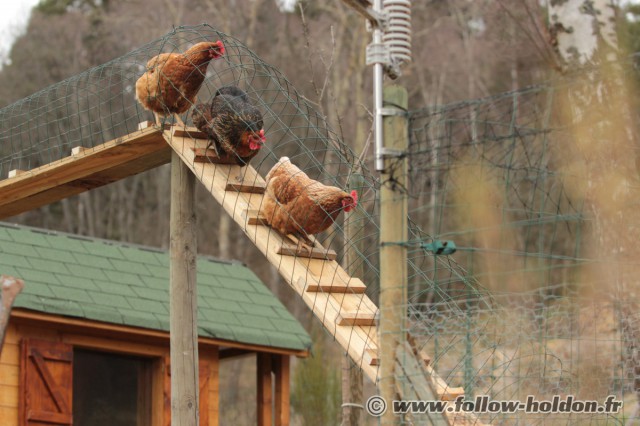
(397, 33)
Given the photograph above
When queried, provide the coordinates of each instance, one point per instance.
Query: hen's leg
(214, 145)
(304, 241)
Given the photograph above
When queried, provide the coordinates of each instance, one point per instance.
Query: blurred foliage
(629, 28)
(316, 391)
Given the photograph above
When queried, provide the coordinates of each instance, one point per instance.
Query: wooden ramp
(336, 299)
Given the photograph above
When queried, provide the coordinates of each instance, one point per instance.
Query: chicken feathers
(172, 80)
(232, 123)
(296, 204)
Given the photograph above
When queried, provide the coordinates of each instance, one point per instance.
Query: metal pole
(378, 74)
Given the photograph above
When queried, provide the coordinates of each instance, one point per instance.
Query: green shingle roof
(129, 285)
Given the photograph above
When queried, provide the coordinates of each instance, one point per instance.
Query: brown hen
(172, 80)
(296, 204)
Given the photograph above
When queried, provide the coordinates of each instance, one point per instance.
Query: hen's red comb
(354, 195)
(221, 46)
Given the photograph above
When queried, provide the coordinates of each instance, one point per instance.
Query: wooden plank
(189, 132)
(240, 187)
(77, 150)
(288, 249)
(96, 328)
(11, 353)
(448, 393)
(115, 345)
(203, 155)
(101, 165)
(335, 285)
(9, 375)
(8, 416)
(264, 394)
(281, 372)
(357, 318)
(373, 356)
(9, 396)
(417, 387)
(254, 217)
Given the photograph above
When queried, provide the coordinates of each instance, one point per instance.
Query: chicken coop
(97, 312)
(482, 175)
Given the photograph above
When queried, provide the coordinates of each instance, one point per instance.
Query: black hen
(233, 125)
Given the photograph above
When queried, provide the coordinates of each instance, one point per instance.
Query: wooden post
(351, 373)
(265, 394)
(183, 297)
(393, 256)
(282, 377)
(10, 288)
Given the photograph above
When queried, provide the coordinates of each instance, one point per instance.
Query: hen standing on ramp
(233, 125)
(172, 80)
(296, 204)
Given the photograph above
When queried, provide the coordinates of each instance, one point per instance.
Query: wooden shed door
(46, 377)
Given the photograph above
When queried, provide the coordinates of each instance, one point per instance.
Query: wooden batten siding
(10, 377)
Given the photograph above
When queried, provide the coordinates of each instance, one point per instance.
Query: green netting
(512, 313)
(487, 174)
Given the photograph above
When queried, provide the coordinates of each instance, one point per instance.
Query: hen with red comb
(296, 204)
(233, 125)
(172, 80)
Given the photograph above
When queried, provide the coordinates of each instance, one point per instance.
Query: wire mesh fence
(514, 312)
(488, 175)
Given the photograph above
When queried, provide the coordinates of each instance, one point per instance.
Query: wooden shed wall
(10, 366)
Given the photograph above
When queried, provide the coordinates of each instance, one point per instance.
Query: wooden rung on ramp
(289, 249)
(189, 132)
(254, 217)
(365, 319)
(334, 284)
(375, 360)
(248, 188)
(203, 155)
